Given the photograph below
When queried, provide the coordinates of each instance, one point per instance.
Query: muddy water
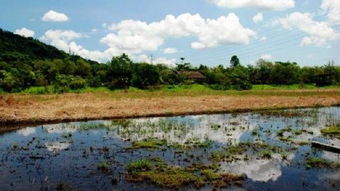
(66, 156)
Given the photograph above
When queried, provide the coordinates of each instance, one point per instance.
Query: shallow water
(43, 157)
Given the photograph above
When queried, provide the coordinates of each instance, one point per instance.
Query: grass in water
(234, 152)
(149, 144)
(157, 172)
(333, 130)
(316, 162)
(103, 166)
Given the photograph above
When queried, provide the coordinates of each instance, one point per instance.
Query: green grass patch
(172, 178)
(286, 113)
(210, 174)
(140, 165)
(149, 144)
(315, 162)
(157, 172)
(103, 166)
(196, 90)
(247, 149)
(91, 90)
(333, 130)
(90, 126)
(283, 87)
(215, 127)
(39, 90)
(229, 153)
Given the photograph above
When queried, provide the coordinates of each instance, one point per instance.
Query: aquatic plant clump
(154, 143)
(103, 166)
(333, 130)
(245, 151)
(140, 165)
(316, 162)
(149, 144)
(161, 174)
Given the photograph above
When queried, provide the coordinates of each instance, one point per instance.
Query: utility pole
(182, 60)
(151, 59)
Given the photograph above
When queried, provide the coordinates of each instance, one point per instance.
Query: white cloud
(266, 57)
(56, 146)
(161, 60)
(133, 36)
(64, 40)
(260, 4)
(165, 61)
(263, 38)
(223, 30)
(88, 54)
(170, 51)
(24, 32)
(197, 45)
(27, 131)
(258, 18)
(53, 16)
(306, 41)
(332, 10)
(60, 38)
(319, 33)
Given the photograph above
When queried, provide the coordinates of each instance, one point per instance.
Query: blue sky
(203, 31)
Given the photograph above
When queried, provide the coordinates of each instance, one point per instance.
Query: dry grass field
(25, 109)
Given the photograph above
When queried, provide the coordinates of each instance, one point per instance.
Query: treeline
(27, 62)
(121, 72)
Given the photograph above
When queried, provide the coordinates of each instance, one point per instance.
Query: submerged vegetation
(317, 162)
(245, 151)
(287, 113)
(161, 174)
(153, 143)
(149, 144)
(333, 130)
(103, 166)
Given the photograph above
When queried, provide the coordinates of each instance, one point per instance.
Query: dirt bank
(18, 109)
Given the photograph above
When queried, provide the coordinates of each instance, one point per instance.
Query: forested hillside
(27, 62)
(13, 47)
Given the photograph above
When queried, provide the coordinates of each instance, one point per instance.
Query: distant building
(193, 75)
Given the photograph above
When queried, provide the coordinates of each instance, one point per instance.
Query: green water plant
(333, 130)
(316, 162)
(159, 173)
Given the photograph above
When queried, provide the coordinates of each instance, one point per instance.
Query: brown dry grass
(16, 109)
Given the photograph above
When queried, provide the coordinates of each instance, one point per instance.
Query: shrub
(77, 83)
(64, 83)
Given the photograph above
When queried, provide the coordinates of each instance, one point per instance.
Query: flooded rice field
(269, 150)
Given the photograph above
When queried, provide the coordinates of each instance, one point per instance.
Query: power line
(252, 50)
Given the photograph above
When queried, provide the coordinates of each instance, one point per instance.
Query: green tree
(145, 75)
(8, 81)
(120, 72)
(83, 68)
(285, 73)
(328, 75)
(239, 77)
(184, 67)
(234, 61)
(263, 71)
